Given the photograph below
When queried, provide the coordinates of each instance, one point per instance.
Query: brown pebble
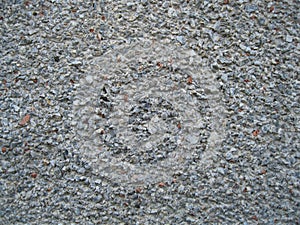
(189, 80)
(263, 171)
(3, 149)
(159, 64)
(33, 175)
(161, 184)
(138, 190)
(255, 133)
(25, 120)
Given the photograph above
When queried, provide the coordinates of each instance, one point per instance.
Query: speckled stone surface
(149, 112)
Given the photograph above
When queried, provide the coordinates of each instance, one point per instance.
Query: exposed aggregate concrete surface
(149, 112)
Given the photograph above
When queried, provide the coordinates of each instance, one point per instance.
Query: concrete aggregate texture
(149, 112)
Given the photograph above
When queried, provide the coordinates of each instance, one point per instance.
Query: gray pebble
(250, 8)
(181, 40)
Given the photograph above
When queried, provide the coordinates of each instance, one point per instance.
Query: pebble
(89, 79)
(181, 40)
(289, 38)
(76, 63)
(250, 8)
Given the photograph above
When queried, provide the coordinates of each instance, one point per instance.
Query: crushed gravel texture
(149, 112)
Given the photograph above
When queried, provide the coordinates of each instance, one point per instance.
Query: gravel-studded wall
(149, 112)
(146, 107)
